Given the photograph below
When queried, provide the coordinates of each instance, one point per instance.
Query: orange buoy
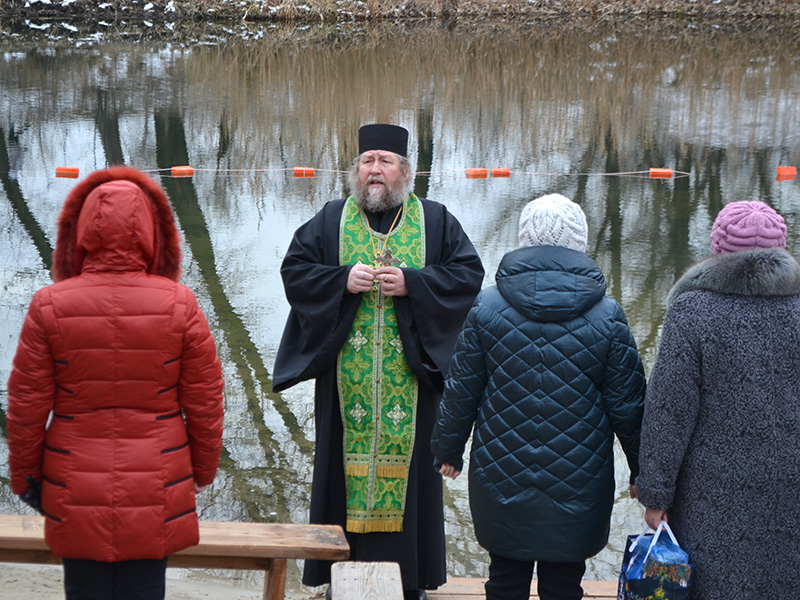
(303, 172)
(477, 173)
(786, 173)
(70, 172)
(182, 171)
(501, 172)
(660, 173)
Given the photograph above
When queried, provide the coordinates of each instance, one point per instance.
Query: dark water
(581, 111)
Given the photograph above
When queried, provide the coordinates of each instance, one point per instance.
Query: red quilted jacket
(115, 396)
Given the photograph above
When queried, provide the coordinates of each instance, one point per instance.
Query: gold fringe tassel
(388, 526)
(392, 471)
(357, 470)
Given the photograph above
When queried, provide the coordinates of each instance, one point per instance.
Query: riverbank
(23, 582)
(76, 24)
(172, 11)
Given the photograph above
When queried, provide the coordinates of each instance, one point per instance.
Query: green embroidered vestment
(377, 389)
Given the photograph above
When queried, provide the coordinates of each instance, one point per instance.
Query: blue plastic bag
(636, 548)
(657, 567)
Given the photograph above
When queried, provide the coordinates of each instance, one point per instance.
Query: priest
(379, 284)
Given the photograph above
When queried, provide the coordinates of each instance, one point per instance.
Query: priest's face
(380, 180)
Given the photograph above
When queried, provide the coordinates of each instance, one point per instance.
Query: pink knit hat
(747, 226)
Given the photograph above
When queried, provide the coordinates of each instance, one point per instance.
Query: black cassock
(429, 318)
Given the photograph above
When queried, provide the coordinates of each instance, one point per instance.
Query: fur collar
(768, 272)
(67, 262)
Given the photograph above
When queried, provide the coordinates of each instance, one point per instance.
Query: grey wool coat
(720, 445)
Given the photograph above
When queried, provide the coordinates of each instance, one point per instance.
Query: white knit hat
(553, 220)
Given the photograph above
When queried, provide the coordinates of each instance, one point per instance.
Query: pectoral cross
(386, 259)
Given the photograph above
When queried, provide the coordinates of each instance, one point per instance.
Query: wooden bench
(234, 545)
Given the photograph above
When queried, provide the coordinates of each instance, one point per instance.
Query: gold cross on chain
(386, 259)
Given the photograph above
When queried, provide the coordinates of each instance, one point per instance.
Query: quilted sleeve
(624, 389)
(31, 394)
(463, 389)
(201, 393)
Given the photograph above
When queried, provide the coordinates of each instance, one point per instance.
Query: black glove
(33, 495)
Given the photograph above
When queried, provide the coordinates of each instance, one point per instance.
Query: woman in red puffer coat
(115, 397)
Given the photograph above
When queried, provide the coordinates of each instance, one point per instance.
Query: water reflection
(560, 106)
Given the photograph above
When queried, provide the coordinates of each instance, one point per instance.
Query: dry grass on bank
(368, 10)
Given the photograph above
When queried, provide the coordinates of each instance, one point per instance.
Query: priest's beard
(378, 200)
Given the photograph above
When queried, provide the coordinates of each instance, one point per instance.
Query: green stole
(377, 389)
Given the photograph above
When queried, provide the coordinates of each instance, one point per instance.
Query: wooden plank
(276, 540)
(248, 563)
(366, 581)
(599, 589)
(468, 588)
(39, 557)
(240, 545)
(21, 532)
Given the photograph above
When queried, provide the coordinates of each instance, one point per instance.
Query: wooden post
(275, 580)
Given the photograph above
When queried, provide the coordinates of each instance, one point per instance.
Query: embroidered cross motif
(358, 341)
(386, 259)
(396, 415)
(397, 344)
(358, 413)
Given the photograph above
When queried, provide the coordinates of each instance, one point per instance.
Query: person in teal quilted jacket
(547, 371)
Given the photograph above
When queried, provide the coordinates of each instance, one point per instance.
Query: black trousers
(510, 579)
(125, 580)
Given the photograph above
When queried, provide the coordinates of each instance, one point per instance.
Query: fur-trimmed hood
(117, 219)
(764, 272)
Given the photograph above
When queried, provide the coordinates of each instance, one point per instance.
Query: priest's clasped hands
(391, 280)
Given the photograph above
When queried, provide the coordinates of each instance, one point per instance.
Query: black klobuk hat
(380, 136)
